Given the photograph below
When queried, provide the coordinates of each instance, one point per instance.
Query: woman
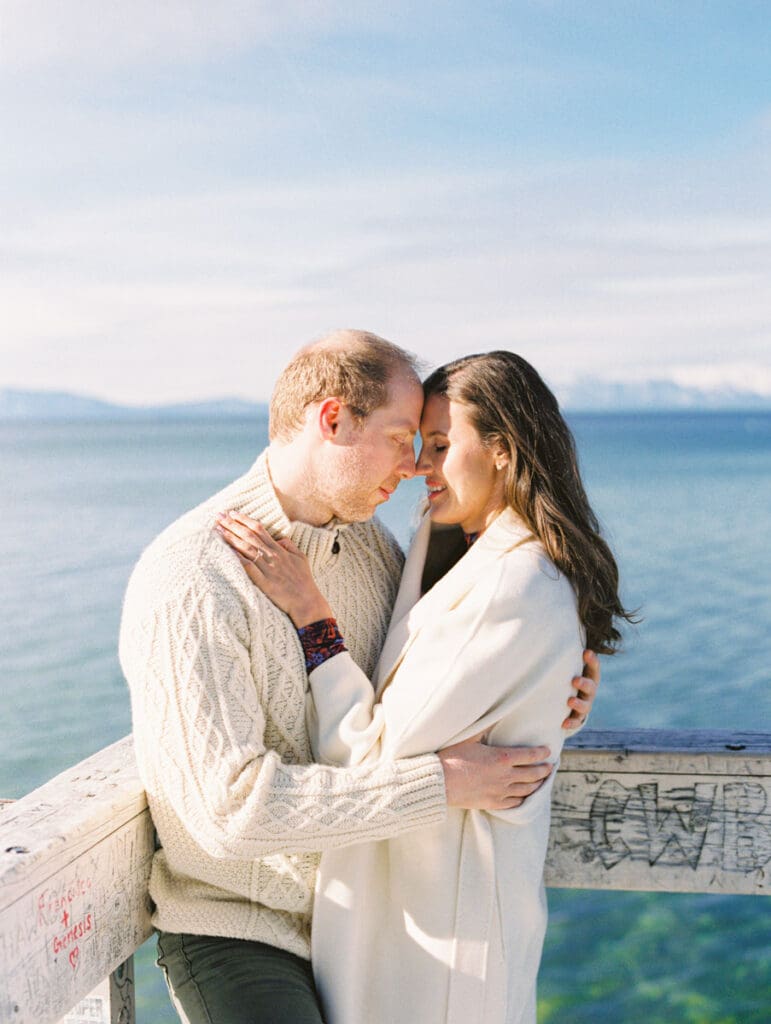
(446, 924)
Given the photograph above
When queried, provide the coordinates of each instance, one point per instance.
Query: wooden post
(75, 860)
(111, 1002)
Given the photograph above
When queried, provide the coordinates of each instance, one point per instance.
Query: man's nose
(407, 464)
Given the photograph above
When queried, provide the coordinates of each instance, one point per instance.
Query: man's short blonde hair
(354, 366)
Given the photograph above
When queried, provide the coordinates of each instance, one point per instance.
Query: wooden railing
(668, 811)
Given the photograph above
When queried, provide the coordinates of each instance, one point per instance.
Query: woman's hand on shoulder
(276, 567)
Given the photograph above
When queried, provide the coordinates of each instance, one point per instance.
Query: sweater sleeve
(199, 731)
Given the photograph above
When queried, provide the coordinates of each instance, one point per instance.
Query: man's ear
(329, 415)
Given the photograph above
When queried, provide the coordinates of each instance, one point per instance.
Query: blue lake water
(685, 500)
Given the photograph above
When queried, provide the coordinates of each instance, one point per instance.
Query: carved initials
(747, 844)
(673, 826)
(606, 817)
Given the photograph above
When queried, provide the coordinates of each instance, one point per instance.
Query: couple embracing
(326, 732)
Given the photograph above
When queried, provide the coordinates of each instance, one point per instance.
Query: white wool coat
(445, 925)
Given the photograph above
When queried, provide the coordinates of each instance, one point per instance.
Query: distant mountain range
(60, 405)
(594, 394)
(589, 394)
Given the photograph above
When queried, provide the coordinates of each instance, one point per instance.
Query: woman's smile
(434, 490)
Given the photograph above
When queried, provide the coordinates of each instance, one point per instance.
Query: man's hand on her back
(484, 778)
(586, 690)
(478, 777)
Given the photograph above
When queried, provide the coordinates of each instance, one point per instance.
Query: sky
(190, 191)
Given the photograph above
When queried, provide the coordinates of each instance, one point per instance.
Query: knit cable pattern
(218, 687)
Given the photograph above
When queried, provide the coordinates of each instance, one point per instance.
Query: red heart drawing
(74, 958)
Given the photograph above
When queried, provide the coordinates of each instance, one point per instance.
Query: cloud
(709, 233)
(680, 285)
(107, 35)
(171, 231)
(167, 297)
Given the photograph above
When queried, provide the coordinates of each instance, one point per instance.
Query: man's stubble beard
(347, 486)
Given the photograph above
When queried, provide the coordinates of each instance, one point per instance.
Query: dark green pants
(233, 981)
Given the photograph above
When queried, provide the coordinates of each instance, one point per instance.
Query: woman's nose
(423, 465)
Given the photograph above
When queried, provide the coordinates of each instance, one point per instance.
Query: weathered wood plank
(676, 812)
(681, 812)
(75, 861)
(692, 750)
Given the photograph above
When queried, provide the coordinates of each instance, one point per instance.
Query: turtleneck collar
(259, 500)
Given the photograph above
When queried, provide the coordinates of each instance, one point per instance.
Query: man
(218, 688)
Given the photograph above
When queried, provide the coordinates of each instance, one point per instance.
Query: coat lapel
(412, 612)
(407, 599)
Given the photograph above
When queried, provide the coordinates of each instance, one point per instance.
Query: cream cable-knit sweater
(218, 691)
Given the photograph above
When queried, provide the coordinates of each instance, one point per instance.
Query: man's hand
(586, 690)
(478, 777)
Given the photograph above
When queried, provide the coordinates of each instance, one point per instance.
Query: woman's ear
(500, 456)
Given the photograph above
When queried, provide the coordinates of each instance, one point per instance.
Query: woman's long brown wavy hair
(511, 406)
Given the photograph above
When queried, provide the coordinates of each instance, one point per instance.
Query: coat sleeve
(345, 723)
(199, 731)
(500, 661)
